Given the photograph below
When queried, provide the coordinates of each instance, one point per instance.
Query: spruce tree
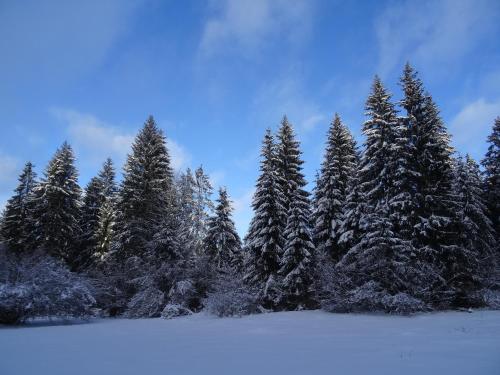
(431, 179)
(353, 211)
(222, 243)
(146, 192)
(107, 176)
(332, 188)
(15, 229)
(57, 207)
(202, 209)
(471, 258)
(289, 164)
(186, 202)
(375, 269)
(264, 241)
(296, 266)
(98, 192)
(491, 164)
(297, 263)
(105, 230)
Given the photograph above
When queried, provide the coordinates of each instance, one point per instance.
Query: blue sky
(216, 74)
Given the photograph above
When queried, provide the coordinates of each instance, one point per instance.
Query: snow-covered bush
(371, 297)
(147, 303)
(402, 303)
(40, 286)
(231, 297)
(173, 310)
(492, 298)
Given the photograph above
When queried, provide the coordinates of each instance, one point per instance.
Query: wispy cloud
(243, 210)
(287, 95)
(471, 126)
(247, 25)
(179, 156)
(431, 31)
(9, 169)
(95, 139)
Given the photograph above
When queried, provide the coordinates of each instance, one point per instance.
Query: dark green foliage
(264, 242)
(222, 243)
(332, 187)
(57, 207)
(15, 228)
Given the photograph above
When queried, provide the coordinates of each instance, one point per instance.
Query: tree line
(401, 224)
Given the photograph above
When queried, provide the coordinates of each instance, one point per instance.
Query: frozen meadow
(309, 342)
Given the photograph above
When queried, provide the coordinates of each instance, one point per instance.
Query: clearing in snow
(309, 342)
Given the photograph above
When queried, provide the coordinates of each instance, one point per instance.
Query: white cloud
(313, 120)
(243, 210)
(216, 178)
(95, 140)
(432, 31)
(472, 125)
(246, 25)
(179, 156)
(8, 176)
(287, 95)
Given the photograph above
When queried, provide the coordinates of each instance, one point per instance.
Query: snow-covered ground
(307, 343)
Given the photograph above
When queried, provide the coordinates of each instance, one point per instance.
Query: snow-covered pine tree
(332, 188)
(194, 208)
(92, 202)
(300, 249)
(14, 227)
(228, 294)
(57, 207)
(372, 275)
(431, 177)
(264, 241)
(107, 176)
(353, 212)
(99, 190)
(143, 199)
(203, 208)
(471, 259)
(297, 262)
(289, 164)
(491, 164)
(186, 202)
(105, 230)
(222, 243)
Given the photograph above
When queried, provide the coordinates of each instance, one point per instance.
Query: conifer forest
(399, 224)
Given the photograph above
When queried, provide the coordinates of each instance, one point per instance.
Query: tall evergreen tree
(14, 228)
(107, 176)
(105, 229)
(297, 263)
(432, 174)
(471, 258)
(353, 211)
(222, 243)
(57, 207)
(332, 188)
(146, 192)
(289, 164)
(491, 164)
(202, 209)
(431, 158)
(264, 242)
(99, 190)
(375, 269)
